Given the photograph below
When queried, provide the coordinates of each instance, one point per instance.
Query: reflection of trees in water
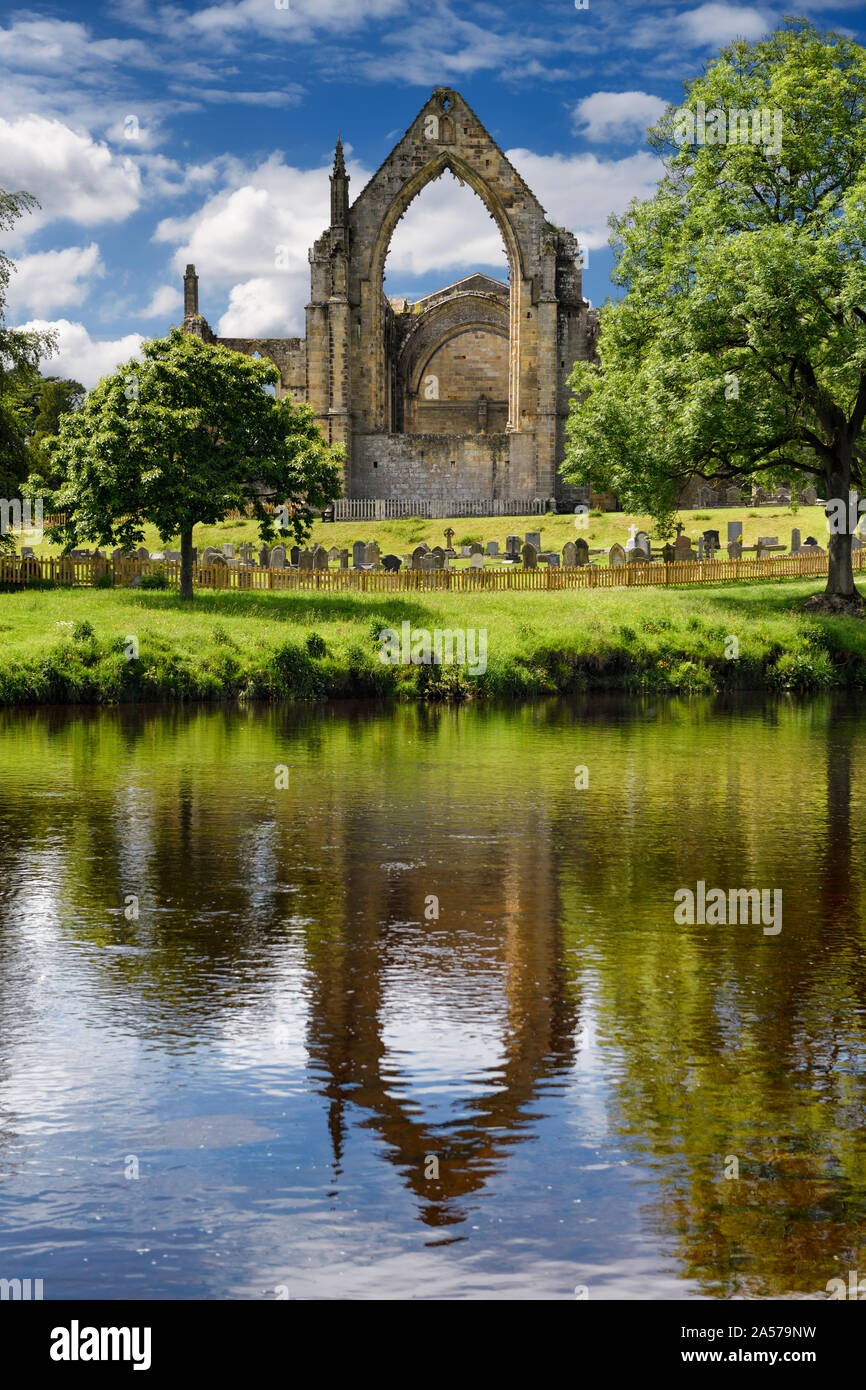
(724, 1042)
(733, 1044)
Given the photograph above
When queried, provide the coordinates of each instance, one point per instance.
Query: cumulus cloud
(163, 302)
(715, 24)
(81, 357)
(266, 307)
(447, 227)
(252, 238)
(617, 115)
(51, 280)
(72, 175)
(581, 191)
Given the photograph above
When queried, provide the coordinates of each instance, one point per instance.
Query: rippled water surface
(287, 1043)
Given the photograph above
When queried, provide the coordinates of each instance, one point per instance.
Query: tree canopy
(180, 437)
(738, 351)
(20, 353)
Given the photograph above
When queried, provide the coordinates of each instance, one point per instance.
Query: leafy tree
(181, 437)
(20, 353)
(739, 349)
(45, 401)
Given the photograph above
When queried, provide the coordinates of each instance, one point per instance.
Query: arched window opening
(446, 293)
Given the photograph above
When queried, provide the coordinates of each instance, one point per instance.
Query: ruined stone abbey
(461, 396)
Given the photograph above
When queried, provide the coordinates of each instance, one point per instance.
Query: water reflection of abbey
(499, 928)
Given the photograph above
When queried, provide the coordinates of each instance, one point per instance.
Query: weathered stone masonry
(463, 394)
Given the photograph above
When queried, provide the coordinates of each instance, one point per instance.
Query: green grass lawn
(602, 530)
(65, 645)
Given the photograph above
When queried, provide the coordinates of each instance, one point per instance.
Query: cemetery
(521, 559)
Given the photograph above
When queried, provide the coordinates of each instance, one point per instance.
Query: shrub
(83, 632)
(157, 580)
(316, 645)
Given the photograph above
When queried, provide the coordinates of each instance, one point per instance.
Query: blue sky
(156, 134)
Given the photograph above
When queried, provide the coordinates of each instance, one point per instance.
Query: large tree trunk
(840, 571)
(186, 563)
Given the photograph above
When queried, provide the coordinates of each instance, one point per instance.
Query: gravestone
(320, 558)
(512, 545)
(344, 558)
(533, 538)
(437, 554)
(278, 557)
(306, 561)
(371, 555)
(465, 552)
(492, 547)
(616, 555)
(569, 555)
(700, 548)
(711, 540)
(265, 556)
(581, 547)
(669, 553)
(295, 555)
(733, 497)
(358, 552)
(762, 551)
(530, 556)
(809, 496)
(642, 541)
(334, 553)
(391, 563)
(795, 540)
(637, 556)
(476, 560)
(553, 560)
(418, 555)
(228, 550)
(735, 531)
(476, 548)
(768, 540)
(141, 554)
(735, 550)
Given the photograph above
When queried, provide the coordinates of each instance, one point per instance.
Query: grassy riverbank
(69, 646)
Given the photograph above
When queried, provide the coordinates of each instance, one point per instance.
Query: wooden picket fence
(80, 573)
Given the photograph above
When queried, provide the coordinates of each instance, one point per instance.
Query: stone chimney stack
(339, 189)
(190, 293)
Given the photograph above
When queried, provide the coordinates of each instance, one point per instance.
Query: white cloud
(446, 228)
(56, 45)
(163, 301)
(266, 307)
(253, 237)
(72, 175)
(617, 115)
(264, 221)
(715, 24)
(581, 191)
(81, 357)
(50, 280)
